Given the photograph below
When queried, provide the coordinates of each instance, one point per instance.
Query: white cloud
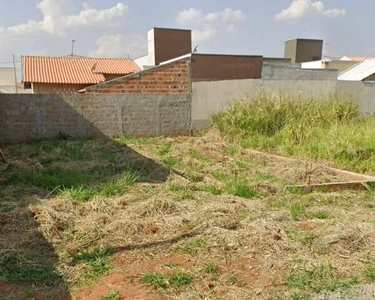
(120, 45)
(56, 24)
(91, 16)
(204, 35)
(299, 8)
(206, 26)
(189, 15)
(228, 15)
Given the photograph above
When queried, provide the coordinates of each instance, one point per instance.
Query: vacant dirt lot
(183, 218)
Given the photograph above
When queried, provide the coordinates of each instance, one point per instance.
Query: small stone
(38, 167)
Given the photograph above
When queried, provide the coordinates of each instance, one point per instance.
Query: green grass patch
(96, 261)
(79, 194)
(211, 269)
(321, 215)
(369, 272)
(193, 153)
(209, 189)
(164, 149)
(239, 187)
(301, 237)
(231, 150)
(267, 177)
(50, 178)
(297, 211)
(181, 192)
(130, 140)
(17, 269)
(192, 247)
(327, 129)
(119, 186)
(321, 278)
(111, 296)
(234, 280)
(171, 162)
(111, 188)
(176, 279)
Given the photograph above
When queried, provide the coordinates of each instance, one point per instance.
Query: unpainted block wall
(211, 97)
(286, 72)
(30, 117)
(172, 78)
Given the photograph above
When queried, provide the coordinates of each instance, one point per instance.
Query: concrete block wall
(31, 117)
(172, 78)
(361, 92)
(211, 97)
(294, 72)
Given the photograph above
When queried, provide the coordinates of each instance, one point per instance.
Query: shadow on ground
(82, 168)
(28, 262)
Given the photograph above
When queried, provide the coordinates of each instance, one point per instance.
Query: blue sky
(118, 27)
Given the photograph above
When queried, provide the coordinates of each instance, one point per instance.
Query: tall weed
(329, 129)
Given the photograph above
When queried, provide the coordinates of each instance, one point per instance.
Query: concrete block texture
(31, 117)
(211, 97)
(290, 72)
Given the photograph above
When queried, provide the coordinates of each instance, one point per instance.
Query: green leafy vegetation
(239, 187)
(320, 215)
(80, 194)
(171, 162)
(321, 278)
(130, 140)
(297, 211)
(301, 237)
(328, 129)
(211, 269)
(192, 247)
(96, 261)
(111, 296)
(181, 192)
(233, 279)
(119, 186)
(164, 149)
(15, 268)
(198, 155)
(176, 279)
(209, 189)
(369, 272)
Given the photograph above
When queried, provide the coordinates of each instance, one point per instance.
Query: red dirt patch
(128, 287)
(127, 283)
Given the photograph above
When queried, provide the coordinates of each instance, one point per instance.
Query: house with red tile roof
(66, 75)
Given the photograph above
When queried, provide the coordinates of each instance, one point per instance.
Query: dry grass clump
(157, 207)
(347, 239)
(301, 172)
(327, 129)
(221, 225)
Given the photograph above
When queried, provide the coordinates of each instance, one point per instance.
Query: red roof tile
(74, 70)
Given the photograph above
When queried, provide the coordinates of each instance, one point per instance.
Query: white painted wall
(7, 77)
(149, 59)
(313, 65)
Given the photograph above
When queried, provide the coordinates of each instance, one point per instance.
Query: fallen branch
(194, 232)
(198, 230)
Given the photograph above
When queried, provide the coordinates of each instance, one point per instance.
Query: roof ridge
(74, 70)
(78, 57)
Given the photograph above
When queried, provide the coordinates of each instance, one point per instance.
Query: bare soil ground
(203, 220)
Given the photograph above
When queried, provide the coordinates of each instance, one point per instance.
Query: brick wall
(172, 78)
(29, 117)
